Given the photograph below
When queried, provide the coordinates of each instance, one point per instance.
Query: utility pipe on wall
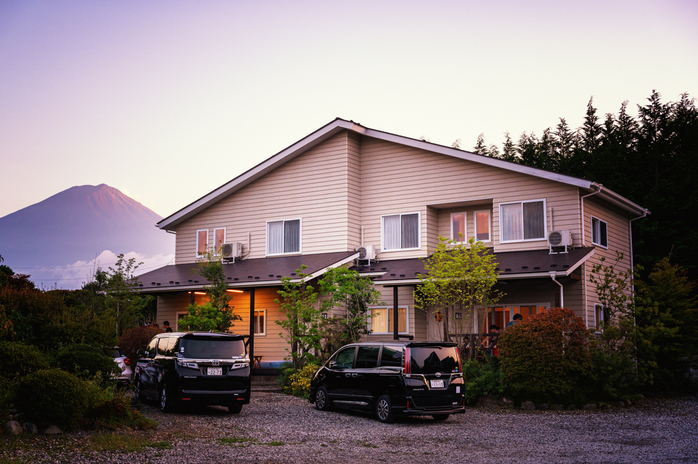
(562, 300)
(586, 302)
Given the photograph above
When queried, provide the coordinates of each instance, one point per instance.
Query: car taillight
(127, 362)
(407, 360)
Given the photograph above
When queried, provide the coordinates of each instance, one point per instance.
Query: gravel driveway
(276, 428)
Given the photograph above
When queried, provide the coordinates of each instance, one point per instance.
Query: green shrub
(546, 356)
(298, 383)
(51, 396)
(483, 379)
(85, 361)
(18, 360)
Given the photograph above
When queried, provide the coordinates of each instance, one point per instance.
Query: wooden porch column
(251, 348)
(396, 334)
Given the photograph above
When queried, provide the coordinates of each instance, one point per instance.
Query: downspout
(586, 298)
(562, 300)
(632, 258)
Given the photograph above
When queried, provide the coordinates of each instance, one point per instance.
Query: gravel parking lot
(276, 428)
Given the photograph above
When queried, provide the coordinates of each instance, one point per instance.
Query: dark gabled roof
(260, 272)
(267, 272)
(339, 125)
(511, 265)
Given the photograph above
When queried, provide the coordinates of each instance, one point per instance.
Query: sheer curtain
(275, 237)
(512, 222)
(391, 232)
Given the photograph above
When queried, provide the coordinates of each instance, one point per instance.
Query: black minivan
(191, 367)
(390, 378)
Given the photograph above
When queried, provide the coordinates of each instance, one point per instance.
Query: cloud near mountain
(60, 241)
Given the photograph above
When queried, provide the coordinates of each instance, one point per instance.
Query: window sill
(605, 247)
(400, 249)
(502, 242)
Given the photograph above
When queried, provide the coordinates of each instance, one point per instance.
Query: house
(347, 192)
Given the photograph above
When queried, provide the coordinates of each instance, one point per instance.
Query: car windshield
(432, 359)
(211, 347)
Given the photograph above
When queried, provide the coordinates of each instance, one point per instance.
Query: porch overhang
(249, 273)
(512, 265)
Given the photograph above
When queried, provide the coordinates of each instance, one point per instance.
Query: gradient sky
(167, 100)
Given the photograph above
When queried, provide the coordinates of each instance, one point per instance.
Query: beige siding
(313, 187)
(618, 240)
(398, 179)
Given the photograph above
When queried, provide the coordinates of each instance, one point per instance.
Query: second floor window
(482, 226)
(201, 242)
(458, 227)
(599, 232)
(284, 237)
(218, 239)
(524, 220)
(401, 232)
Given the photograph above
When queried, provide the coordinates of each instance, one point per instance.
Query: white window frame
(225, 233)
(512, 312)
(300, 237)
(545, 220)
(463, 239)
(489, 225)
(183, 313)
(593, 229)
(263, 331)
(389, 310)
(600, 309)
(419, 231)
(196, 250)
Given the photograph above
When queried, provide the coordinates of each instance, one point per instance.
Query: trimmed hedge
(52, 397)
(85, 361)
(18, 360)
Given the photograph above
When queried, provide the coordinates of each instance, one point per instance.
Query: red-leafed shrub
(137, 339)
(547, 355)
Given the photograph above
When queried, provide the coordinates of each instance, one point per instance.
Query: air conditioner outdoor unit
(367, 252)
(559, 239)
(231, 250)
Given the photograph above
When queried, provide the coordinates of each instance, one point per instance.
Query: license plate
(437, 383)
(219, 371)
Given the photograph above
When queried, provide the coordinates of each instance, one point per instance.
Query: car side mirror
(333, 365)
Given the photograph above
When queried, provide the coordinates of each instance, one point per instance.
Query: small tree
(302, 323)
(459, 278)
(118, 285)
(216, 314)
(345, 288)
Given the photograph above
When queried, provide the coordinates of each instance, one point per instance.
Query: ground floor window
(260, 321)
(601, 314)
(503, 315)
(381, 320)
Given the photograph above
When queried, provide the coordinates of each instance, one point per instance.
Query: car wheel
(167, 400)
(138, 392)
(322, 402)
(384, 409)
(235, 408)
(440, 417)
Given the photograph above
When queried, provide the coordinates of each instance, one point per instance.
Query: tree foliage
(651, 159)
(346, 289)
(458, 277)
(216, 314)
(303, 318)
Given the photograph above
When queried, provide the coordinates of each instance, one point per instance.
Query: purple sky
(167, 100)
